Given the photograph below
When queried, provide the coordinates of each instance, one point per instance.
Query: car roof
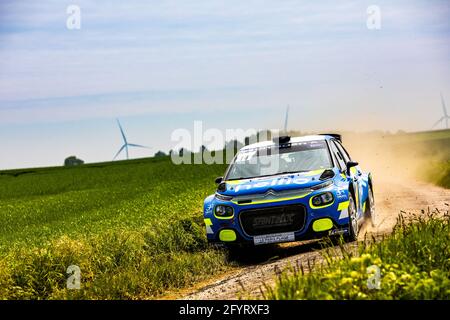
(270, 143)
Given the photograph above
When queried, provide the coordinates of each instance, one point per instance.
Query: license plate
(274, 238)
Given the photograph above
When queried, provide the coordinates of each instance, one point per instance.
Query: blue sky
(160, 65)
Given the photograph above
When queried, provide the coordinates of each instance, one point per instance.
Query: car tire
(353, 227)
(370, 213)
(236, 251)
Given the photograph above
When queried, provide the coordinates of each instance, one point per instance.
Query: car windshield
(273, 160)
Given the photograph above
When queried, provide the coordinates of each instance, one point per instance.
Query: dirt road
(392, 196)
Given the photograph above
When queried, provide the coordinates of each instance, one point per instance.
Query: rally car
(289, 189)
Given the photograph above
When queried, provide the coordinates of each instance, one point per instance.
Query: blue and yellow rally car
(289, 189)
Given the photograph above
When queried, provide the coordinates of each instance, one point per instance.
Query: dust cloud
(400, 165)
(405, 156)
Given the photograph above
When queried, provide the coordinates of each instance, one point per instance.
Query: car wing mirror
(218, 180)
(351, 164)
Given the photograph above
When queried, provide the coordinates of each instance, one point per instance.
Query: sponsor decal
(341, 194)
(274, 182)
(338, 231)
(273, 221)
(208, 209)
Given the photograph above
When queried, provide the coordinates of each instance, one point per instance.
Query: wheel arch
(370, 183)
(351, 190)
(369, 179)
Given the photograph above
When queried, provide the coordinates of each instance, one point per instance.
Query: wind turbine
(286, 120)
(125, 143)
(445, 117)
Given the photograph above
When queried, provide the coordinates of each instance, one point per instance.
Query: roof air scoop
(281, 139)
(334, 135)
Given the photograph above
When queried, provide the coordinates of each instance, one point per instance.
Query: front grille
(273, 220)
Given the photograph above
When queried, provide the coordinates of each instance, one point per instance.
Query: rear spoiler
(334, 135)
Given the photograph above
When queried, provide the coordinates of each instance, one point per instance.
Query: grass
(414, 263)
(438, 173)
(134, 228)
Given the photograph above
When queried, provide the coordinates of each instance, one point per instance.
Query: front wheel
(370, 208)
(353, 227)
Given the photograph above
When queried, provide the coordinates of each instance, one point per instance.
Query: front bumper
(318, 222)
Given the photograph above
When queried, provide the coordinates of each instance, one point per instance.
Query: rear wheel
(353, 227)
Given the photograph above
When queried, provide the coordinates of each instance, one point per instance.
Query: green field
(135, 229)
(438, 173)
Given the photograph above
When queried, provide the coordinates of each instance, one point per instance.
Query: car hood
(275, 183)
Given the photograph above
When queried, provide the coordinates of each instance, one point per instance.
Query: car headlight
(322, 199)
(222, 211)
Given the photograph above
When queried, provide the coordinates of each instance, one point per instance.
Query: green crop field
(135, 229)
